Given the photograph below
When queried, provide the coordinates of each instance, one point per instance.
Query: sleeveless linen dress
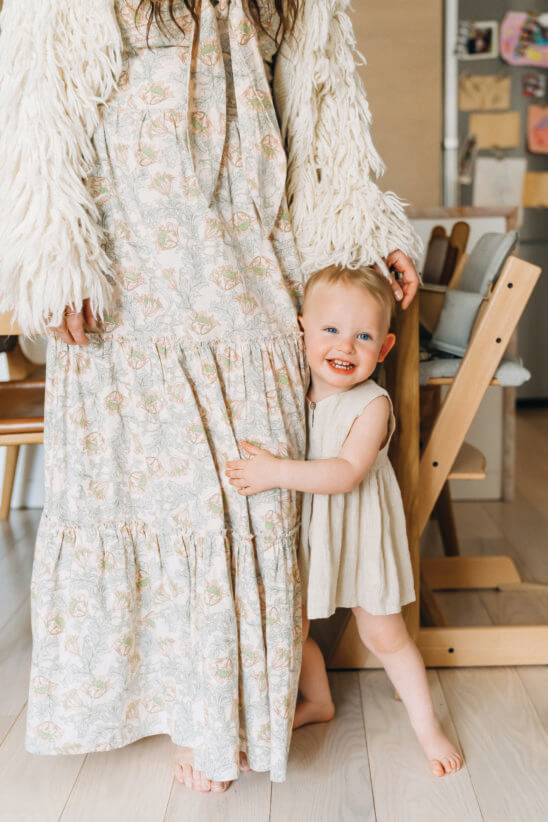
(162, 601)
(354, 547)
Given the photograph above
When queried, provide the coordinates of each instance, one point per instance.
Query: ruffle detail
(141, 630)
(144, 425)
(162, 600)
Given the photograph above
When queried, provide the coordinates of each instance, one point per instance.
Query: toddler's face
(345, 335)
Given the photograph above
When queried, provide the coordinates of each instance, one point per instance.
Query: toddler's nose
(346, 346)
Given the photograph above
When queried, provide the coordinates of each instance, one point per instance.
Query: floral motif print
(162, 601)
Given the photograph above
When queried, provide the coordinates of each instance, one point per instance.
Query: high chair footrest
(453, 573)
(470, 464)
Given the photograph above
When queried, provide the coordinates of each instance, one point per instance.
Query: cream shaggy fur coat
(59, 62)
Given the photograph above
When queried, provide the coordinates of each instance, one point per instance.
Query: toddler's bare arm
(337, 475)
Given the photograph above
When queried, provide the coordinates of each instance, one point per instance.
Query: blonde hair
(367, 278)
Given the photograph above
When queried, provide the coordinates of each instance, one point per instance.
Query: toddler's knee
(386, 639)
(383, 644)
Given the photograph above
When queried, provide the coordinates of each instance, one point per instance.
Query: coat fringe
(338, 213)
(59, 62)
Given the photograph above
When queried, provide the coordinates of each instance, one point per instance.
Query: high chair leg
(446, 522)
(12, 454)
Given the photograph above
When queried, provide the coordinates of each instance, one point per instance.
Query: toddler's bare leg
(388, 639)
(315, 704)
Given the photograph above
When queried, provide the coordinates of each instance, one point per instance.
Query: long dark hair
(157, 9)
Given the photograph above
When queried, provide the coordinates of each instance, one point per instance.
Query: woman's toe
(188, 774)
(219, 787)
(244, 762)
(201, 782)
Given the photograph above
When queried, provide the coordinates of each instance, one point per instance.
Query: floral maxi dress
(162, 601)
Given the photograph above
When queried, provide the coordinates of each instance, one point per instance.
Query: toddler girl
(354, 551)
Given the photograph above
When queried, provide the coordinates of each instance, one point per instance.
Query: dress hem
(38, 751)
(387, 610)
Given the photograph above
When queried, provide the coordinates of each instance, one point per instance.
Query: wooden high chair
(21, 410)
(446, 455)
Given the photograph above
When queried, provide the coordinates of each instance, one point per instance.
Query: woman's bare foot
(197, 780)
(308, 713)
(244, 763)
(442, 755)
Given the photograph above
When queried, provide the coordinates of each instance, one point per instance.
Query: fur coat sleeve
(58, 62)
(338, 213)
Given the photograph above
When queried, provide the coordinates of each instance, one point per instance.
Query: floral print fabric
(162, 601)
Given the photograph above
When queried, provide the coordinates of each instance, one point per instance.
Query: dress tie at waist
(263, 156)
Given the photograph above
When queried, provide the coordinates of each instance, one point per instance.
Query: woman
(160, 603)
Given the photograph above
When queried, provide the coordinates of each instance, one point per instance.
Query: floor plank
(516, 607)
(535, 682)
(462, 608)
(525, 529)
(247, 800)
(21, 524)
(110, 785)
(16, 557)
(33, 788)
(328, 776)
(15, 655)
(532, 459)
(403, 786)
(505, 746)
(472, 521)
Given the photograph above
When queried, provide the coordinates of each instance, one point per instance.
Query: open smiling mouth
(341, 366)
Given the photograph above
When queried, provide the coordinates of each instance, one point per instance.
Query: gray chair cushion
(486, 261)
(461, 304)
(456, 320)
(510, 373)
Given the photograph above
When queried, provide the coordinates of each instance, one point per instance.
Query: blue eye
(331, 330)
(364, 336)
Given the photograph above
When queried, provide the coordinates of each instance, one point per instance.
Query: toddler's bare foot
(308, 713)
(197, 780)
(442, 755)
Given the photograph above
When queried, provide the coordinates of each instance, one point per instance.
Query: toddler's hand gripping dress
(162, 601)
(354, 546)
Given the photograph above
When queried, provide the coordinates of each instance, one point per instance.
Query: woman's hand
(406, 286)
(71, 329)
(253, 475)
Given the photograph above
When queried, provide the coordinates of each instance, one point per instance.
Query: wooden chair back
(491, 334)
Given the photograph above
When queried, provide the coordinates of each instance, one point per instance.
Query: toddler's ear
(387, 346)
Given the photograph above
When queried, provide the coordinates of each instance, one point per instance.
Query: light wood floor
(365, 765)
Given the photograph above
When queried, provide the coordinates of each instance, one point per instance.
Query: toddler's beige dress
(354, 547)
(163, 602)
